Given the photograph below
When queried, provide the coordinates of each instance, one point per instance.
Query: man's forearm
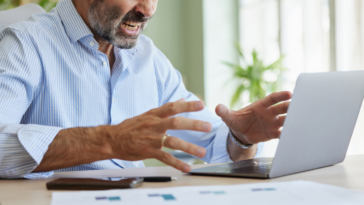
(237, 153)
(75, 146)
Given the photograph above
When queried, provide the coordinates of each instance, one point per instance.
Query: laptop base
(251, 168)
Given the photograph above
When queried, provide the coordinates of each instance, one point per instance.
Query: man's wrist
(88, 143)
(104, 136)
(237, 153)
(241, 143)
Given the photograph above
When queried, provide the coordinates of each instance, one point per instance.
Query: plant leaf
(255, 56)
(250, 76)
(276, 64)
(237, 95)
(240, 51)
(239, 71)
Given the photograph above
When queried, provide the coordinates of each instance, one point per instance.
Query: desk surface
(349, 174)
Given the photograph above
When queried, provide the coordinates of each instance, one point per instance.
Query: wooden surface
(349, 174)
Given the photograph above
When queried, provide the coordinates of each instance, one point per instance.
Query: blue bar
(114, 198)
(219, 192)
(153, 195)
(168, 197)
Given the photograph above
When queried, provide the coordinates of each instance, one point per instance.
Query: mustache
(135, 17)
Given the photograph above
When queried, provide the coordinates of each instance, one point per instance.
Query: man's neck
(107, 48)
(104, 46)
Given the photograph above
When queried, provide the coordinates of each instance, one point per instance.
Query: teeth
(129, 27)
(132, 23)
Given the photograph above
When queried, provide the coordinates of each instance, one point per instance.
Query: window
(313, 35)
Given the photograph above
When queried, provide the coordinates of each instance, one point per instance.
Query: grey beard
(101, 22)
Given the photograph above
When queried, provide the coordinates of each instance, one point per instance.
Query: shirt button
(104, 63)
(92, 43)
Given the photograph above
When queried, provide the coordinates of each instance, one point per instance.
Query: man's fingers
(171, 161)
(181, 123)
(178, 144)
(275, 98)
(226, 114)
(174, 108)
(275, 130)
(181, 100)
(281, 120)
(280, 108)
(221, 110)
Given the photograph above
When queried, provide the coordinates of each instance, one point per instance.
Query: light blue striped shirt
(53, 77)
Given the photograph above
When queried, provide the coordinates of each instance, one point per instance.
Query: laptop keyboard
(256, 167)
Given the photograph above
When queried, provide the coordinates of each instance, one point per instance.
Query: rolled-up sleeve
(215, 142)
(22, 147)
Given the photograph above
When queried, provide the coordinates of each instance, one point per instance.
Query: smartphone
(93, 184)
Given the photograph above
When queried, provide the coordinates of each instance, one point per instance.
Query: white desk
(349, 174)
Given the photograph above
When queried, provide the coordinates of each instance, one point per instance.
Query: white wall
(221, 31)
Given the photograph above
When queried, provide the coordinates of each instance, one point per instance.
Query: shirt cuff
(36, 139)
(38, 175)
(220, 153)
(259, 149)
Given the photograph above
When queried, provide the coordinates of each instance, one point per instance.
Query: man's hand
(137, 138)
(259, 122)
(140, 137)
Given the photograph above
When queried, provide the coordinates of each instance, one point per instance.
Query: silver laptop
(317, 130)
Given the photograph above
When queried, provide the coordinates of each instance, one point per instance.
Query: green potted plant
(254, 78)
(48, 4)
(9, 4)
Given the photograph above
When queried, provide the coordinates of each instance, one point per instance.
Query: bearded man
(82, 89)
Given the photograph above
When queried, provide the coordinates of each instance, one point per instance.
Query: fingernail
(199, 105)
(186, 169)
(206, 127)
(200, 152)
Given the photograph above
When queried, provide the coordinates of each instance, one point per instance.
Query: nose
(147, 7)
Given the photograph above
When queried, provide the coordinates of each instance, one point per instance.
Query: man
(82, 89)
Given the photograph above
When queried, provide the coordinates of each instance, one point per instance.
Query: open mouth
(131, 25)
(131, 28)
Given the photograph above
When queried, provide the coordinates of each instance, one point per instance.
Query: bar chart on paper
(297, 192)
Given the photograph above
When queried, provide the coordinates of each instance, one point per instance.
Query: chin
(126, 43)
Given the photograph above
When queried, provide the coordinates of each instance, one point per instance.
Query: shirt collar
(76, 28)
(72, 21)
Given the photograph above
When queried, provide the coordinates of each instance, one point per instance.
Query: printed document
(273, 193)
